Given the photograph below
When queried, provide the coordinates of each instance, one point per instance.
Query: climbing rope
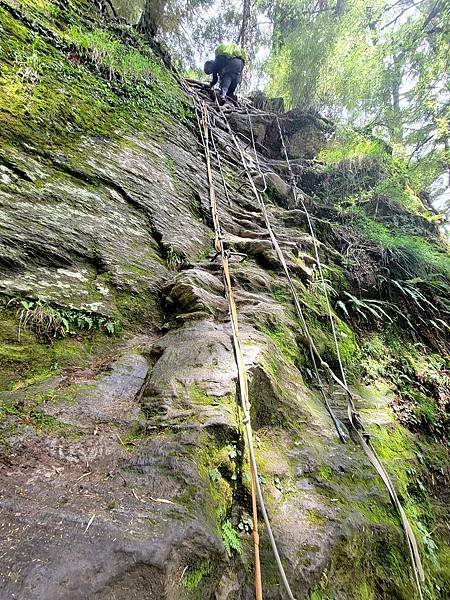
(242, 375)
(219, 163)
(338, 425)
(312, 348)
(353, 415)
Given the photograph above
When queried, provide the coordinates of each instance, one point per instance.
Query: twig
(90, 523)
(184, 571)
(163, 500)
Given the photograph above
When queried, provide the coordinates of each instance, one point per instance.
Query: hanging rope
(353, 415)
(242, 376)
(313, 351)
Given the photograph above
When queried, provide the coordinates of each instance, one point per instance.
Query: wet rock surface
(123, 462)
(133, 220)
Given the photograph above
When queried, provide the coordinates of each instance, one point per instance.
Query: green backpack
(231, 50)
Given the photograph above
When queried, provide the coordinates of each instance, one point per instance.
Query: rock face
(124, 470)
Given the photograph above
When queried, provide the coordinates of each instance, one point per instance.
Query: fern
(230, 538)
(367, 308)
(49, 321)
(195, 574)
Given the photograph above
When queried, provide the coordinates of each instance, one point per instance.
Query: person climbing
(227, 67)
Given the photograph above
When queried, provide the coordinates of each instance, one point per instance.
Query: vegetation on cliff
(120, 426)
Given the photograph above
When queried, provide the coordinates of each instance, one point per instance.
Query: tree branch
(395, 19)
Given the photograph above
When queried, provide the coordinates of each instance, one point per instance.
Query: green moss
(395, 449)
(19, 411)
(393, 443)
(320, 331)
(283, 338)
(282, 295)
(325, 472)
(377, 569)
(136, 309)
(30, 360)
(102, 89)
(420, 378)
(319, 596)
(376, 512)
(315, 517)
(216, 464)
(201, 398)
(133, 437)
(171, 166)
(195, 574)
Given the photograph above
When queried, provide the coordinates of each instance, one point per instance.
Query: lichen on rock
(124, 467)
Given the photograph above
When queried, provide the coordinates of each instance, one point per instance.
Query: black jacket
(224, 65)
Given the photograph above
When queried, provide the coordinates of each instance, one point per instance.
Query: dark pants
(230, 77)
(229, 83)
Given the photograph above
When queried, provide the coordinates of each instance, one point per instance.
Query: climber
(227, 67)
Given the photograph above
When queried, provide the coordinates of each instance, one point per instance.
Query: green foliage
(33, 360)
(104, 49)
(174, 259)
(325, 472)
(350, 144)
(319, 596)
(49, 321)
(195, 574)
(230, 538)
(100, 88)
(195, 73)
(381, 64)
(245, 524)
(360, 164)
(429, 546)
(419, 256)
(421, 379)
(367, 308)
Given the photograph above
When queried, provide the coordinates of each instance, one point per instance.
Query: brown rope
(353, 415)
(242, 375)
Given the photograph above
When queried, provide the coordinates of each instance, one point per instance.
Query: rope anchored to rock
(353, 415)
(355, 421)
(242, 374)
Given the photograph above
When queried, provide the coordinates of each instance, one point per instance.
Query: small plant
(232, 451)
(194, 575)
(367, 308)
(214, 475)
(230, 538)
(246, 524)
(174, 260)
(428, 543)
(49, 321)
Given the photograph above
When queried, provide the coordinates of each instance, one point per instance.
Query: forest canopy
(381, 66)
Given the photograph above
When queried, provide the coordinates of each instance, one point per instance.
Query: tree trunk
(150, 20)
(245, 40)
